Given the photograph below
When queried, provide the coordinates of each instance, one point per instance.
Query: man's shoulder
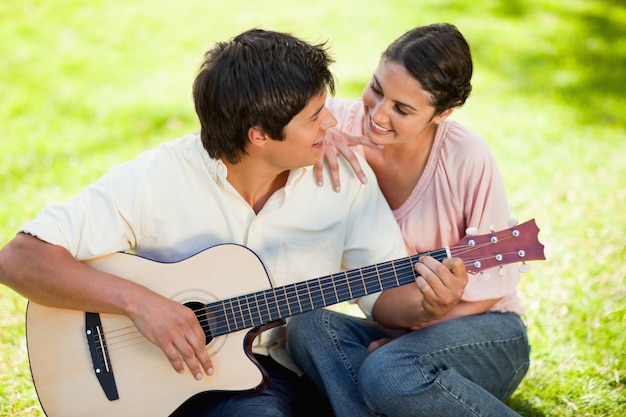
(184, 150)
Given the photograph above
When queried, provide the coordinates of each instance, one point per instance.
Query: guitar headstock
(516, 244)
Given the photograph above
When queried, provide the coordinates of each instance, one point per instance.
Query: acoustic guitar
(86, 364)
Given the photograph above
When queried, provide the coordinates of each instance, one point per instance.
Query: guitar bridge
(100, 355)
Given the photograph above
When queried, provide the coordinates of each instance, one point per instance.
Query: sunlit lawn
(87, 84)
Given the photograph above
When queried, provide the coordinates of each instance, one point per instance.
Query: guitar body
(62, 367)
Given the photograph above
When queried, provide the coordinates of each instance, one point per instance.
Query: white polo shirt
(175, 201)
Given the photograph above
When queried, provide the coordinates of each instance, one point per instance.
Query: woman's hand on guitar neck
(175, 329)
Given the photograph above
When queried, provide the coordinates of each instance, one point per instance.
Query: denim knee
(383, 379)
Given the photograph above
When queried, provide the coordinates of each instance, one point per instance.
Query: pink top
(461, 187)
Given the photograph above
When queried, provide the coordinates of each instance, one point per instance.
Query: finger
(353, 140)
(432, 275)
(189, 356)
(330, 153)
(352, 159)
(172, 355)
(457, 267)
(318, 169)
(202, 354)
(442, 277)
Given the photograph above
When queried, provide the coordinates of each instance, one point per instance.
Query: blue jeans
(463, 367)
(288, 395)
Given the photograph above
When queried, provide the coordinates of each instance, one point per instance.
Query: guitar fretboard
(262, 307)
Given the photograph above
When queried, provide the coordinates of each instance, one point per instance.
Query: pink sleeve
(480, 188)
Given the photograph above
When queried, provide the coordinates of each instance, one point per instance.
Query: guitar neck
(262, 307)
(496, 249)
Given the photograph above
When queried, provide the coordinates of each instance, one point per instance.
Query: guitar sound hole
(202, 313)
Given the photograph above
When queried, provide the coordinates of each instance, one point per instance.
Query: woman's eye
(375, 88)
(402, 112)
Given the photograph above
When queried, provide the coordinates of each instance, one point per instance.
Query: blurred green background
(85, 85)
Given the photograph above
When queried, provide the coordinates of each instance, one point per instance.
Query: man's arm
(49, 275)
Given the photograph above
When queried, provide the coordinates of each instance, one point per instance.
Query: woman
(459, 352)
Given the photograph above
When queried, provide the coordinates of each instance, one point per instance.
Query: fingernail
(199, 376)
(364, 179)
(209, 371)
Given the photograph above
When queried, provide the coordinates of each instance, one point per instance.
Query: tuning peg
(524, 267)
(512, 222)
(471, 231)
(492, 228)
(502, 271)
(483, 276)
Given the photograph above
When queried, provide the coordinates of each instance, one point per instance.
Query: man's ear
(443, 115)
(256, 136)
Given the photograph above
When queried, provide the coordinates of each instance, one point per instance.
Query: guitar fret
(372, 285)
(308, 290)
(330, 296)
(230, 317)
(349, 287)
(293, 301)
(280, 304)
(359, 283)
(225, 316)
(258, 308)
(395, 273)
(255, 317)
(297, 303)
(248, 311)
(235, 316)
(304, 296)
(321, 289)
(241, 309)
(272, 305)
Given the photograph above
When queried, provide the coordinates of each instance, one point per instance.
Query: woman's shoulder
(459, 139)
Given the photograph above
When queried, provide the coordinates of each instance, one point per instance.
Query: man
(246, 179)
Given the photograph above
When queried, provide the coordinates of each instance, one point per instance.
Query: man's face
(302, 144)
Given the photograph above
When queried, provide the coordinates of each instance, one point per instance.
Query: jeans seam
(342, 355)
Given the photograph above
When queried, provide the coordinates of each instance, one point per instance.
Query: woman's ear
(443, 115)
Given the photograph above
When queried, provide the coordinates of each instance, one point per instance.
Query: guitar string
(222, 324)
(290, 292)
(385, 272)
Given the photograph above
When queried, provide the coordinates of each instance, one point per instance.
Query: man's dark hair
(258, 79)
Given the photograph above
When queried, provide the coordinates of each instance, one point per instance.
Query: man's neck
(254, 182)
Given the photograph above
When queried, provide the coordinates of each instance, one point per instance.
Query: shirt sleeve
(98, 220)
(484, 201)
(374, 234)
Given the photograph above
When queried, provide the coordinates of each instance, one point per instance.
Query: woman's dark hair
(439, 58)
(259, 78)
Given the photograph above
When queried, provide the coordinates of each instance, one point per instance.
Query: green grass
(87, 84)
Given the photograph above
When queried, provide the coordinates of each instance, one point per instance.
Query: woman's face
(397, 108)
